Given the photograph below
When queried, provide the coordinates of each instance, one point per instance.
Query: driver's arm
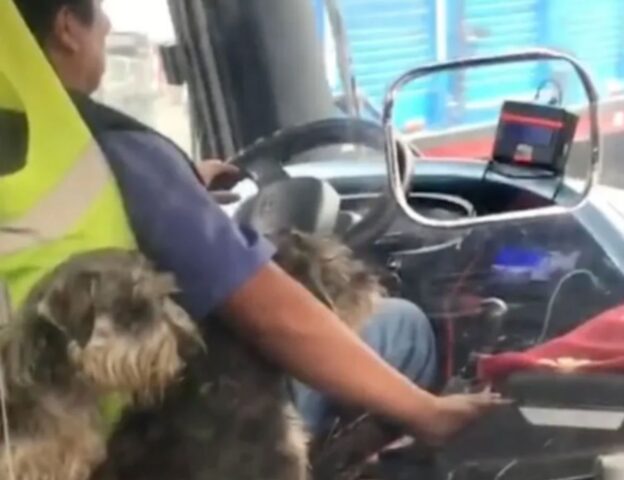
(221, 267)
(287, 323)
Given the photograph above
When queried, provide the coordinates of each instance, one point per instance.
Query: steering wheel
(311, 204)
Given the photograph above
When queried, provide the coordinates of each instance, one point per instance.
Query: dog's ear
(34, 350)
(154, 285)
(165, 284)
(49, 355)
(69, 305)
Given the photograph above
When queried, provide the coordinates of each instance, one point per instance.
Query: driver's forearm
(289, 325)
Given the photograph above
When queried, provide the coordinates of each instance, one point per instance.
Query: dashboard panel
(550, 274)
(491, 288)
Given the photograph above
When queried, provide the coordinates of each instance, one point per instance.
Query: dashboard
(491, 288)
(549, 274)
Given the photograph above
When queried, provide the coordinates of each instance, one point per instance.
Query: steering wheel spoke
(312, 203)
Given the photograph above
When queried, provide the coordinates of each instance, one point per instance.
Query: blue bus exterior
(390, 36)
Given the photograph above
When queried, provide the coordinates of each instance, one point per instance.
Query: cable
(551, 303)
(5, 318)
(554, 101)
(486, 170)
(449, 321)
(558, 189)
(506, 469)
(5, 427)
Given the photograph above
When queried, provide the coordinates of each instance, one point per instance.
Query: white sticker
(574, 418)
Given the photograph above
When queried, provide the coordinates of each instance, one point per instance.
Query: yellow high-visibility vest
(64, 200)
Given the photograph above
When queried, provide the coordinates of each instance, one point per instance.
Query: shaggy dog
(330, 271)
(100, 324)
(204, 405)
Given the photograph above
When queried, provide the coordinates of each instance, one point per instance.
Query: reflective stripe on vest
(64, 201)
(61, 209)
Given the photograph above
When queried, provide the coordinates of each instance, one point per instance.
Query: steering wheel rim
(292, 141)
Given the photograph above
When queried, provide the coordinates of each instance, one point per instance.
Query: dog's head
(105, 317)
(328, 269)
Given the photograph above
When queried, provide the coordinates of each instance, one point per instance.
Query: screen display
(524, 134)
(532, 263)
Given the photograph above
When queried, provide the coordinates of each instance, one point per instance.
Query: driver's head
(73, 34)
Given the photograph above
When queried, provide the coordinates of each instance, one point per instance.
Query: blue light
(516, 257)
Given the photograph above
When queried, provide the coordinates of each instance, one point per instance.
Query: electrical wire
(553, 298)
(5, 318)
(5, 427)
(555, 101)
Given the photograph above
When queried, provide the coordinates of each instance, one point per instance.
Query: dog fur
(228, 418)
(330, 270)
(99, 324)
(206, 405)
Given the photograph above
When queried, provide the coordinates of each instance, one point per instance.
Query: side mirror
(393, 136)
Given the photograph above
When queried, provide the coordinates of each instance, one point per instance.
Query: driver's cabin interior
(464, 155)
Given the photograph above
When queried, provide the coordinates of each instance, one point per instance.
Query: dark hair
(39, 15)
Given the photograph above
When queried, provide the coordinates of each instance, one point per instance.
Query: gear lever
(494, 312)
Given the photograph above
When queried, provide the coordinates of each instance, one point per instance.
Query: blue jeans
(402, 335)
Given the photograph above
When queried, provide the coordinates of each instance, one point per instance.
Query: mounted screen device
(534, 136)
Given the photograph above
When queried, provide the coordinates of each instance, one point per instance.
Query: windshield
(293, 97)
(135, 80)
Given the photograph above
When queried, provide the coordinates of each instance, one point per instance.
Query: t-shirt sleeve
(177, 223)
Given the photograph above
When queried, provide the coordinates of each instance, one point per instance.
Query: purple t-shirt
(178, 225)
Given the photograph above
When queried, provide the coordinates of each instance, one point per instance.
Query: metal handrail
(344, 57)
(393, 137)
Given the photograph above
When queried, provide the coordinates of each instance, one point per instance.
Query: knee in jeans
(406, 318)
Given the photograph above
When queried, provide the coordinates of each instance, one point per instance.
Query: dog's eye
(141, 309)
(135, 314)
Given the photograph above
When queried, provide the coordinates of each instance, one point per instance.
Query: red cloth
(600, 341)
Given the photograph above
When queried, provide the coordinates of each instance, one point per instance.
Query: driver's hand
(455, 412)
(220, 178)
